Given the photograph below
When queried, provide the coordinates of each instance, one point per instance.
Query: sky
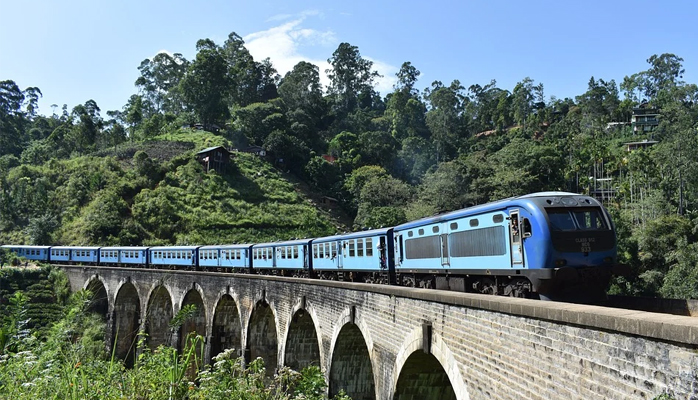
(77, 50)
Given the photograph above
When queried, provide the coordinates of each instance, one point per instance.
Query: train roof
(76, 247)
(225, 246)
(353, 235)
(126, 248)
(481, 208)
(283, 243)
(174, 248)
(23, 246)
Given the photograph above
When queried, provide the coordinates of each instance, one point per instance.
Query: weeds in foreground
(72, 364)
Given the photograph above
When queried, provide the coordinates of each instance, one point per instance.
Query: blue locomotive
(553, 245)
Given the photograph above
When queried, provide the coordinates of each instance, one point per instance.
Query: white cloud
(285, 44)
(385, 83)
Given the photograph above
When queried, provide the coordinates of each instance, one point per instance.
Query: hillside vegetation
(127, 197)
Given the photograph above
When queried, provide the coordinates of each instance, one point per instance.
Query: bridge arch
(100, 297)
(351, 366)
(302, 343)
(197, 323)
(437, 372)
(158, 315)
(127, 310)
(226, 325)
(262, 336)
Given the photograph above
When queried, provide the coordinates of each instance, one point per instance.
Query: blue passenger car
(209, 256)
(124, 255)
(60, 254)
(292, 255)
(234, 256)
(81, 254)
(178, 256)
(364, 254)
(36, 253)
(287, 256)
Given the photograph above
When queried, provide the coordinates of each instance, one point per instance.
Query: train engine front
(581, 251)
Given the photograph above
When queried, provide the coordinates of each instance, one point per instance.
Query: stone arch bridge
(384, 342)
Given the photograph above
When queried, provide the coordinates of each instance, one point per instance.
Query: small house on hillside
(258, 150)
(214, 158)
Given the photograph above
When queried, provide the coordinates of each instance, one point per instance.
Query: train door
(340, 249)
(517, 260)
(398, 249)
(445, 260)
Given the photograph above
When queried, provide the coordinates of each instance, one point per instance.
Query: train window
(454, 226)
(270, 253)
(327, 250)
(474, 222)
(499, 218)
(334, 249)
(589, 220)
(215, 255)
(351, 248)
(295, 252)
(314, 251)
(359, 247)
(410, 234)
(421, 232)
(435, 229)
(369, 247)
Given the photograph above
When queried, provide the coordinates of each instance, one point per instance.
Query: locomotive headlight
(560, 262)
(569, 201)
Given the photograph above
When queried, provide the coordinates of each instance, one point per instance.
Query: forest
(129, 177)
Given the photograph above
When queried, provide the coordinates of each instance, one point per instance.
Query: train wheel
(487, 286)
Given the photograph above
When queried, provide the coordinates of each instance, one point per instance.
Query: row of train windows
(355, 248)
(115, 254)
(60, 253)
(82, 253)
(284, 252)
(225, 254)
(172, 254)
(33, 252)
(263, 254)
(231, 254)
(497, 219)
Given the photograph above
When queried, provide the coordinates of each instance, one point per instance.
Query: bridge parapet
(388, 342)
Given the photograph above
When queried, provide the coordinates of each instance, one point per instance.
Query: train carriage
(129, 255)
(80, 254)
(36, 253)
(235, 256)
(174, 256)
(283, 256)
(360, 255)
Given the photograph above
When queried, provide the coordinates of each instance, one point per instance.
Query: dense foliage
(75, 177)
(66, 359)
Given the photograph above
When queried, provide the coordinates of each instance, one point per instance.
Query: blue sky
(76, 50)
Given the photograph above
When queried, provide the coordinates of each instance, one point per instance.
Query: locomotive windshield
(577, 219)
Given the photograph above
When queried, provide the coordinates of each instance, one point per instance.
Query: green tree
(206, 84)
(350, 77)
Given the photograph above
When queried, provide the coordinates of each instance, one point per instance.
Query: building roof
(211, 149)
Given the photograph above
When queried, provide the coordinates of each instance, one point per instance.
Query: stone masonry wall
(490, 348)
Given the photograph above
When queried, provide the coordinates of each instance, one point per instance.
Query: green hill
(155, 192)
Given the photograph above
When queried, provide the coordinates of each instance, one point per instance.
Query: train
(547, 245)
